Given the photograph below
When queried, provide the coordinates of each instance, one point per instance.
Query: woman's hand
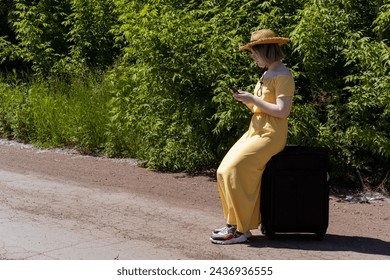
(280, 110)
(244, 97)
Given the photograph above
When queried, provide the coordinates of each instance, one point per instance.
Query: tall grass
(104, 115)
(56, 113)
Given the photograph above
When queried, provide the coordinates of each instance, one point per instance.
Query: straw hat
(264, 36)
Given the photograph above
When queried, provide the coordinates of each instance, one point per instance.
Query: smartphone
(234, 91)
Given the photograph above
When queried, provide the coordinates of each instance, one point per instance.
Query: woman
(239, 174)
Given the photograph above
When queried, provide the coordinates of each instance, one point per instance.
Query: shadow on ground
(331, 242)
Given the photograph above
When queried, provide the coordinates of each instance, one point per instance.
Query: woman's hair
(269, 52)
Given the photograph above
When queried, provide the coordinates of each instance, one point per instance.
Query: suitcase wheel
(269, 233)
(263, 231)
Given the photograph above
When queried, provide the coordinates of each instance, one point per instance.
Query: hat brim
(275, 40)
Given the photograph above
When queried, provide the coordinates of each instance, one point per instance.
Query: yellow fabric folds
(239, 174)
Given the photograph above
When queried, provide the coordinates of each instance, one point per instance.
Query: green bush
(150, 79)
(57, 114)
(351, 95)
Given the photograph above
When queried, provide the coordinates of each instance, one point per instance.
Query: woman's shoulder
(284, 72)
(278, 78)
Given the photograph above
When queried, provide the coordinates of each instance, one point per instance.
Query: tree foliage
(165, 68)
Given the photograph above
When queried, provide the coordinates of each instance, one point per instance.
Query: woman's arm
(280, 110)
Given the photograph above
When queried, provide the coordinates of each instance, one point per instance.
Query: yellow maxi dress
(239, 174)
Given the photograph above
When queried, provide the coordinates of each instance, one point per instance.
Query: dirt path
(60, 205)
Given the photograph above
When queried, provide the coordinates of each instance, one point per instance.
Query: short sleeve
(284, 86)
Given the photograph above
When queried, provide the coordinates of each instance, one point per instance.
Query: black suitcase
(295, 192)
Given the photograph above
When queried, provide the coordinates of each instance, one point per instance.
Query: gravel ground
(58, 204)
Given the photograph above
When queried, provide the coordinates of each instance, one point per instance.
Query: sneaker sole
(237, 240)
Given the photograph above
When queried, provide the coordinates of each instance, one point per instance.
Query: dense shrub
(150, 79)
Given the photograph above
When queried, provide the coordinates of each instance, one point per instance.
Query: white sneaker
(231, 236)
(224, 230)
